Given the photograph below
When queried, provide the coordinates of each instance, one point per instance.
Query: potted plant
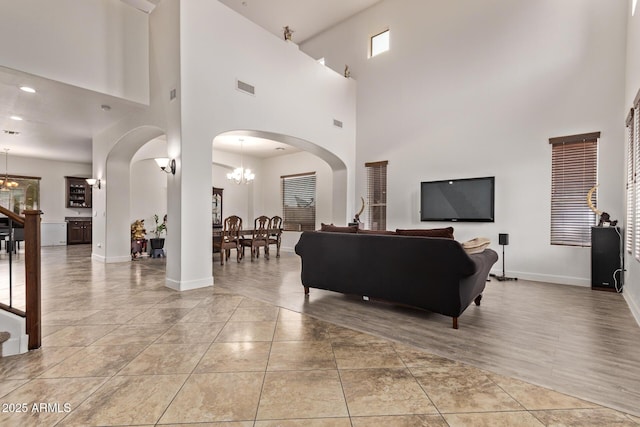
(160, 227)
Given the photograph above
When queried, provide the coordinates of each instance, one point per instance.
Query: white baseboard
(189, 285)
(536, 277)
(110, 260)
(633, 306)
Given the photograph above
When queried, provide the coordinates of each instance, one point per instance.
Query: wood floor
(570, 339)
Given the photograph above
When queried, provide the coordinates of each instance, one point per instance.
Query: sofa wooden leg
(306, 290)
(478, 299)
(455, 323)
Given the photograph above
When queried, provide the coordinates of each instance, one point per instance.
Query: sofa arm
(472, 286)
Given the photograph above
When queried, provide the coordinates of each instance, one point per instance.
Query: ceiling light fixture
(167, 165)
(27, 89)
(16, 118)
(6, 184)
(241, 175)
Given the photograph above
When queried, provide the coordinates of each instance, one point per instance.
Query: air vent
(337, 123)
(245, 87)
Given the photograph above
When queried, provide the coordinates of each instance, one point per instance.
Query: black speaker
(606, 262)
(503, 239)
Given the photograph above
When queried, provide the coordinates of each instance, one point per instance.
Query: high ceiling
(58, 121)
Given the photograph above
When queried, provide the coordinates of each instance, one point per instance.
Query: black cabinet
(216, 217)
(78, 231)
(606, 259)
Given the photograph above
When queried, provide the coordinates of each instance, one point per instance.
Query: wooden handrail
(12, 215)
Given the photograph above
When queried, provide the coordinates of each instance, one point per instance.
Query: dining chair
(230, 238)
(275, 233)
(259, 237)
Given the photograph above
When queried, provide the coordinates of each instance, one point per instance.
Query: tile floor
(146, 355)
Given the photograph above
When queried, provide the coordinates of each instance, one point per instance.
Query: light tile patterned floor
(122, 349)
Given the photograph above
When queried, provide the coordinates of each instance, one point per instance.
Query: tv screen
(458, 200)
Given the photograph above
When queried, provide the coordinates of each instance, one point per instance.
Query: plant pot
(157, 243)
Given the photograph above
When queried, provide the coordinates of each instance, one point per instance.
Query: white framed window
(631, 183)
(379, 43)
(574, 171)
(299, 202)
(636, 170)
(377, 195)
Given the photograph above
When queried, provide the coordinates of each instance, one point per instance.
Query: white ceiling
(60, 120)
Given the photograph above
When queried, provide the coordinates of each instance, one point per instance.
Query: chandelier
(6, 184)
(241, 175)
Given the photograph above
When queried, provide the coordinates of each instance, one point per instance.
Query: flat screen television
(469, 199)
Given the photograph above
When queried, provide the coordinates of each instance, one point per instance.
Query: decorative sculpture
(287, 32)
(356, 217)
(605, 219)
(137, 230)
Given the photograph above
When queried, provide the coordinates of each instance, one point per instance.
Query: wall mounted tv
(469, 199)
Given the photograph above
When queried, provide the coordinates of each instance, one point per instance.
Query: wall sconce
(167, 165)
(95, 183)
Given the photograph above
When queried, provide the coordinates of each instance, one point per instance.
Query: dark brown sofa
(433, 273)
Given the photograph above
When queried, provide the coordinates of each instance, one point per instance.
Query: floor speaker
(606, 260)
(503, 240)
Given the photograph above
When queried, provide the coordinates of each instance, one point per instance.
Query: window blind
(377, 195)
(299, 202)
(631, 180)
(636, 161)
(574, 167)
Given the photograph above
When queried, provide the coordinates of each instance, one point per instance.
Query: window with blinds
(574, 171)
(636, 167)
(299, 202)
(631, 183)
(377, 195)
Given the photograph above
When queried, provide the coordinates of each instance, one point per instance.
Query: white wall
(109, 39)
(148, 193)
(632, 277)
(473, 89)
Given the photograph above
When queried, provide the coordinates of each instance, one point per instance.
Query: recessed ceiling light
(17, 118)
(27, 89)
(280, 148)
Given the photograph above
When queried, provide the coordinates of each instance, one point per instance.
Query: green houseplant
(159, 227)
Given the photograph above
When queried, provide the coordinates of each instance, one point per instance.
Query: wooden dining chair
(230, 238)
(259, 238)
(275, 233)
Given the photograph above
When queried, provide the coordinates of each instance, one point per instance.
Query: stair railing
(32, 267)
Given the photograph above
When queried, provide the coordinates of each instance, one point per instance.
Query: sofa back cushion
(447, 232)
(338, 229)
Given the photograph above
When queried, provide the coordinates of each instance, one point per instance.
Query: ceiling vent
(245, 87)
(337, 123)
